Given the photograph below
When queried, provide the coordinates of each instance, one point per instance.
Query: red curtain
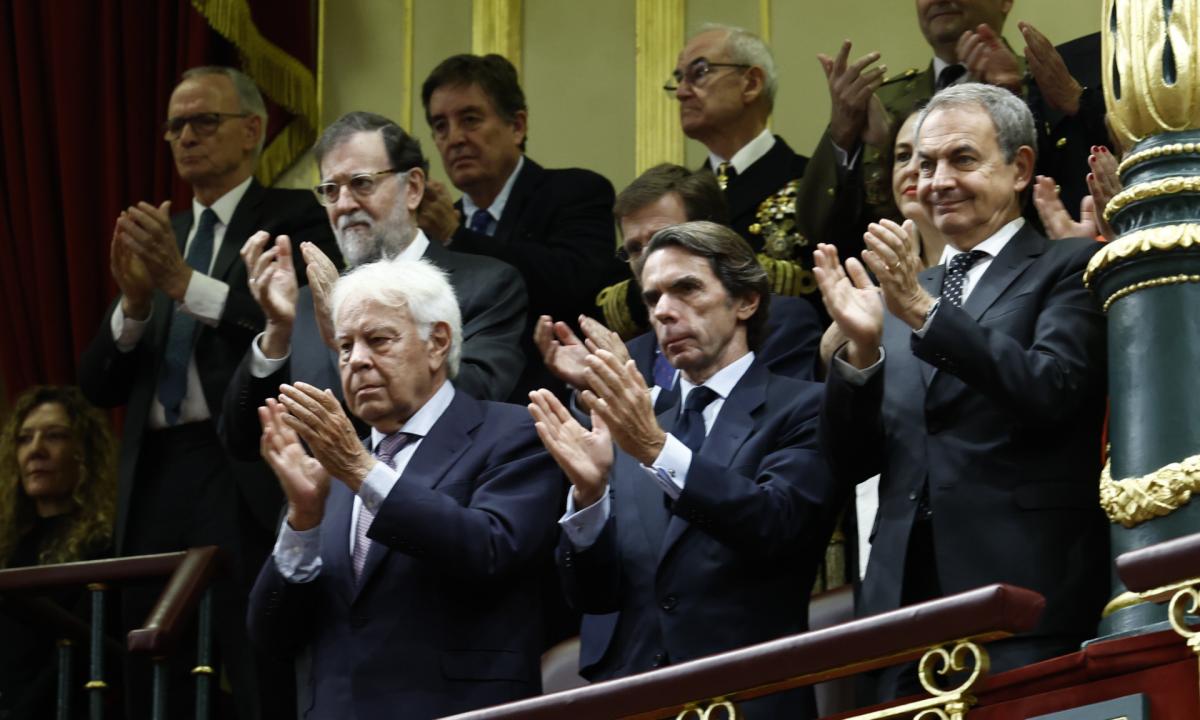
(85, 88)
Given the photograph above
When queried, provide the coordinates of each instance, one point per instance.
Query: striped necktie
(386, 452)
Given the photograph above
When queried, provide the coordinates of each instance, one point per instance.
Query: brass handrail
(700, 687)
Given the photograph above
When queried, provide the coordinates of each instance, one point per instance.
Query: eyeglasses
(360, 185)
(627, 252)
(697, 73)
(203, 124)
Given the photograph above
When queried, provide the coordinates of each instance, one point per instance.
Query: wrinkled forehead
(710, 45)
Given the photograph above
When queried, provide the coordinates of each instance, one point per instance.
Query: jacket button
(669, 602)
(660, 659)
(913, 496)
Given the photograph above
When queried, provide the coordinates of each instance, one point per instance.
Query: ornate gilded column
(1148, 281)
(659, 38)
(496, 28)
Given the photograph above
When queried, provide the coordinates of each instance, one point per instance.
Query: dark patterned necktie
(690, 429)
(726, 172)
(386, 453)
(950, 75)
(956, 274)
(172, 382)
(481, 220)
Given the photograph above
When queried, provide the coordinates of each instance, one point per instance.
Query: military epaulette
(901, 76)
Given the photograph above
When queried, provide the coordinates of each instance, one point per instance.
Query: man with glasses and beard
(373, 178)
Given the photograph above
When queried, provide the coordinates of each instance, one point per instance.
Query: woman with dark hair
(57, 504)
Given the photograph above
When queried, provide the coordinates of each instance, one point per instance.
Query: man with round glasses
(372, 181)
(166, 351)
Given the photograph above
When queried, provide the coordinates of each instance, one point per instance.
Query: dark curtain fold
(84, 88)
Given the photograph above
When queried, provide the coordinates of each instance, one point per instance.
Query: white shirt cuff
(671, 467)
(262, 366)
(582, 527)
(126, 331)
(376, 486)
(853, 375)
(205, 298)
(846, 161)
(298, 553)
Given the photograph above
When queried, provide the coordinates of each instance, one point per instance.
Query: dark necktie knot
(956, 275)
(699, 398)
(480, 221)
(690, 429)
(950, 75)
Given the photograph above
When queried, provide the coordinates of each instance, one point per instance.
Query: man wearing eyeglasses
(373, 178)
(725, 81)
(554, 226)
(166, 351)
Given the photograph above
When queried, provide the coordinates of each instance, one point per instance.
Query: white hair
(746, 48)
(418, 285)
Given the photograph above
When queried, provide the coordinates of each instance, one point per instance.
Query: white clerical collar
(225, 205)
(423, 420)
(992, 246)
(749, 153)
(723, 381)
(496, 209)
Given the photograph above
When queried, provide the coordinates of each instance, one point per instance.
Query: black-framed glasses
(203, 124)
(360, 185)
(697, 73)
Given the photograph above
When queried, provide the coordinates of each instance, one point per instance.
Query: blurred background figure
(58, 497)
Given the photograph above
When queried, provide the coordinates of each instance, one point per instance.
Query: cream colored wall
(580, 63)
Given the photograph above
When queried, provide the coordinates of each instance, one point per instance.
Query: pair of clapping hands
(610, 387)
(271, 275)
(144, 255)
(1103, 183)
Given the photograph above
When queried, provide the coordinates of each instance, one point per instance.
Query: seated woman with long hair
(57, 504)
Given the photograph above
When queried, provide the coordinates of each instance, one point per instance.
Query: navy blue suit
(731, 562)
(446, 615)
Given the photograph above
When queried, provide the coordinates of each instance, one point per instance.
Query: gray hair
(1010, 115)
(746, 48)
(418, 285)
(250, 100)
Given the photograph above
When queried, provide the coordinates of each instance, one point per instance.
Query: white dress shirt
(496, 209)
(204, 300)
(747, 155)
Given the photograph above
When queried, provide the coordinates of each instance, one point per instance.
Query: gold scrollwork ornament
(1154, 239)
(709, 713)
(1183, 603)
(1134, 500)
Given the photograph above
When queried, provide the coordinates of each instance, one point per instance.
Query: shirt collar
(416, 249)
(723, 381)
(749, 153)
(225, 205)
(496, 209)
(992, 246)
(424, 419)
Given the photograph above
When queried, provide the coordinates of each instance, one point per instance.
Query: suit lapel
(240, 227)
(521, 193)
(336, 540)
(1016, 256)
(734, 424)
(449, 438)
(931, 280)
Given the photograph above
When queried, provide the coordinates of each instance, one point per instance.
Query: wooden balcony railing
(189, 574)
(944, 633)
(1168, 572)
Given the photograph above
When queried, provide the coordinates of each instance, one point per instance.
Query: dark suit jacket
(731, 563)
(491, 297)
(110, 378)
(998, 409)
(557, 231)
(790, 349)
(767, 176)
(446, 616)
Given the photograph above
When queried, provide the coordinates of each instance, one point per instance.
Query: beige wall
(580, 63)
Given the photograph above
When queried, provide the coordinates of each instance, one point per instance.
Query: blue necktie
(481, 220)
(664, 374)
(172, 382)
(690, 428)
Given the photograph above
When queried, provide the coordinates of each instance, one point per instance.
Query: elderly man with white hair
(406, 567)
